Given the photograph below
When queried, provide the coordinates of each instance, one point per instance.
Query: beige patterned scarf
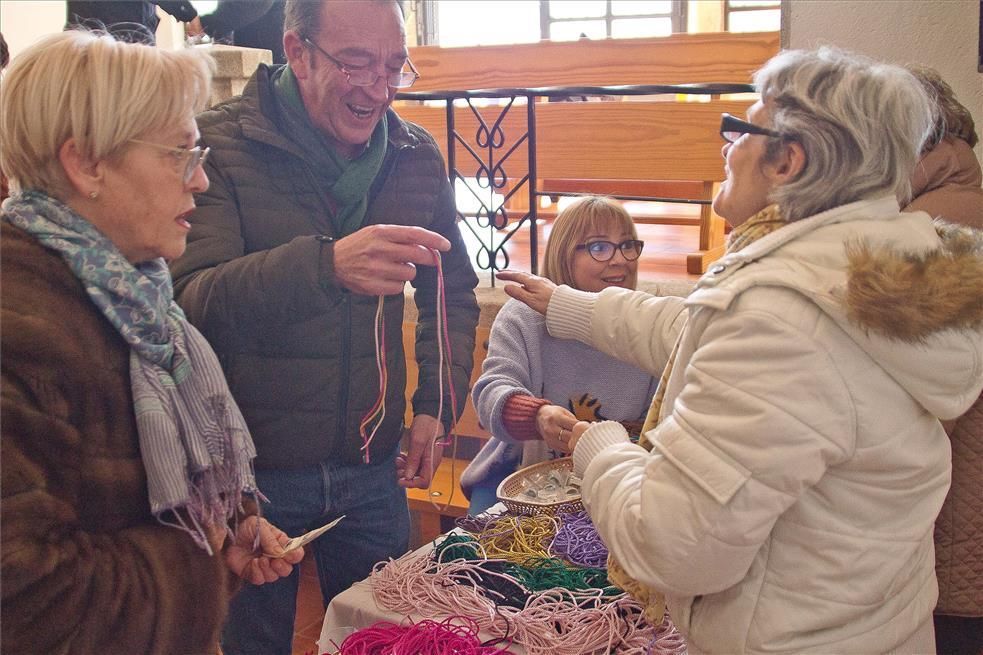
(761, 224)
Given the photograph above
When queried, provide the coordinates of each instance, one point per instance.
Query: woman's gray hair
(304, 16)
(861, 123)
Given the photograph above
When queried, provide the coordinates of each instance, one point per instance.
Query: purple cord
(577, 541)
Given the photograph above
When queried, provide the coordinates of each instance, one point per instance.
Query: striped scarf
(761, 224)
(196, 449)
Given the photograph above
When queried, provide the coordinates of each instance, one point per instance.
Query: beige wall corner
(234, 67)
(25, 21)
(940, 34)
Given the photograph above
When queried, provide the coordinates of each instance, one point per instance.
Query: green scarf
(346, 181)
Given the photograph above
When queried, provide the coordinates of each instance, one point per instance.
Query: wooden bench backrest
(633, 139)
(604, 140)
(677, 59)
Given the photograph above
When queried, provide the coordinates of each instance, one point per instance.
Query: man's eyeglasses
(603, 251)
(191, 158)
(732, 128)
(367, 76)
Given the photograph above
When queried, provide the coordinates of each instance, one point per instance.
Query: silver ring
(560, 436)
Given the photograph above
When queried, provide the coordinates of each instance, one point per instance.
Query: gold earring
(93, 195)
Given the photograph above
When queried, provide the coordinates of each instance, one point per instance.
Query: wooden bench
(639, 139)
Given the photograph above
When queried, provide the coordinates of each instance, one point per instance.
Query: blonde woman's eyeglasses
(603, 251)
(191, 158)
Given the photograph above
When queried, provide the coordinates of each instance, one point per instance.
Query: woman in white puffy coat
(797, 463)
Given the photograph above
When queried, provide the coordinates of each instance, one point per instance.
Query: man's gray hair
(861, 123)
(304, 16)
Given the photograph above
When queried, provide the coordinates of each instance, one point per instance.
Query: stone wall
(234, 67)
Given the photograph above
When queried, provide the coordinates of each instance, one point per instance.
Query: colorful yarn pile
(577, 541)
(503, 574)
(455, 635)
(531, 575)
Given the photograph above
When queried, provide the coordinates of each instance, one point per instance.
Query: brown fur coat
(86, 567)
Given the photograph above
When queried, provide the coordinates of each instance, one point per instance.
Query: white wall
(942, 34)
(24, 21)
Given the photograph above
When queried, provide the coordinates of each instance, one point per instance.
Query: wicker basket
(511, 487)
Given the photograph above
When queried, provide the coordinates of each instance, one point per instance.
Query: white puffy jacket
(788, 503)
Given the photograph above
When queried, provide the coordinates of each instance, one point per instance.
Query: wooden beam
(677, 59)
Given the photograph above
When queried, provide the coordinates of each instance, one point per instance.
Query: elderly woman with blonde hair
(793, 461)
(127, 477)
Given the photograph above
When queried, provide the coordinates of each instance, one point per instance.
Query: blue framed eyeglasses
(733, 128)
(603, 251)
(368, 77)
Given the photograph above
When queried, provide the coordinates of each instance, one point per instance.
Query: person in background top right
(946, 184)
(947, 178)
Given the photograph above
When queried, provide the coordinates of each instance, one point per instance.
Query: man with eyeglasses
(321, 200)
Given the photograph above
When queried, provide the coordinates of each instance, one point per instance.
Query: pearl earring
(93, 195)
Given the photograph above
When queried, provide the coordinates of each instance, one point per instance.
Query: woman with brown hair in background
(946, 185)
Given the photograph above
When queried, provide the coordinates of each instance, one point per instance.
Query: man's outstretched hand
(380, 259)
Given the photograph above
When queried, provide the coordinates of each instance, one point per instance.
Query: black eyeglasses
(603, 251)
(368, 77)
(189, 158)
(732, 128)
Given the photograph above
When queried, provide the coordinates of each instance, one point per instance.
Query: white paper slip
(305, 539)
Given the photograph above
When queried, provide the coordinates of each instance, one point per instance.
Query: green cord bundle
(457, 546)
(541, 573)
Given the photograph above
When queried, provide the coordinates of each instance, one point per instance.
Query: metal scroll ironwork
(487, 155)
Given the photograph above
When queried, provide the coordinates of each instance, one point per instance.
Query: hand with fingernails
(530, 289)
(554, 424)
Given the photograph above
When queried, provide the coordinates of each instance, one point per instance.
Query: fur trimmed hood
(920, 315)
(907, 290)
(909, 296)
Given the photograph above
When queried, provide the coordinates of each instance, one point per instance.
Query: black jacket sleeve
(230, 15)
(182, 11)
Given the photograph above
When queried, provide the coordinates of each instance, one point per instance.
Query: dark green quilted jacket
(257, 279)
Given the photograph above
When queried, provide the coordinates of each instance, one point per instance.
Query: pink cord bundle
(412, 584)
(456, 635)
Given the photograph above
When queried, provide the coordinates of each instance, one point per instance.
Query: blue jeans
(376, 527)
(483, 496)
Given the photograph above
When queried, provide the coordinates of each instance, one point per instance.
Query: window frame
(677, 16)
(730, 9)
(426, 19)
